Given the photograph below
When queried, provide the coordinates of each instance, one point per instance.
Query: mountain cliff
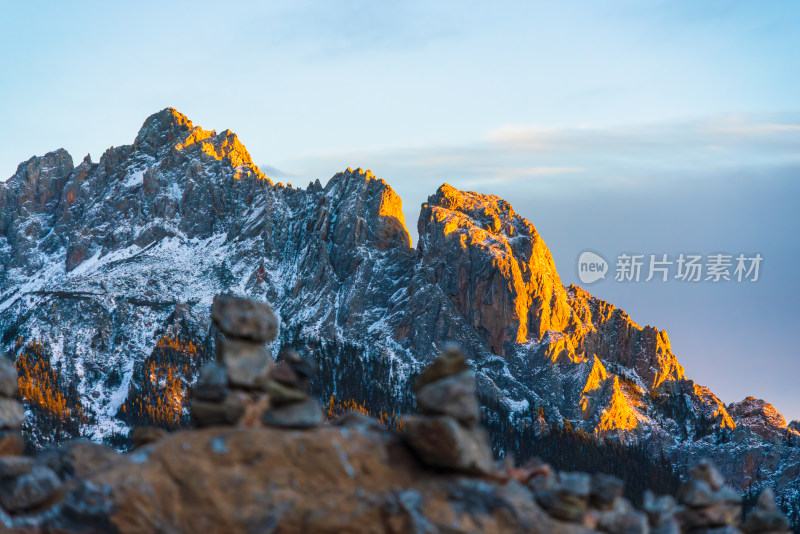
(107, 271)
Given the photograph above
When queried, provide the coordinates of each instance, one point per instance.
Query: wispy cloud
(596, 157)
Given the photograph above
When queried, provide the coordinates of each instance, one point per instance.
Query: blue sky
(657, 127)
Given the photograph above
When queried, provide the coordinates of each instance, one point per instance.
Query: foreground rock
(330, 479)
(11, 411)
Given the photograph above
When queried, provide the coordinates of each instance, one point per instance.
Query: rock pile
(233, 389)
(289, 405)
(11, 412)
(594, 501)
(24, 483)
(708, 505)
(447, 435)
(766, 518)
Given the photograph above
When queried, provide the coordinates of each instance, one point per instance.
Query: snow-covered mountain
(107, 271)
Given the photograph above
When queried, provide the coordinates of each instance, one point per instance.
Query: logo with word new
(591, 267)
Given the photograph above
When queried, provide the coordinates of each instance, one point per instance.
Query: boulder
(29, 490)
(305, 414)
(212, 384)
(708, 472)
(244, 318)
(11, 443)
(227, 412)
(453, 395)
(449, 363)
(605, 490)
(281, 394)
(247, 363)
(8, 378)
(443, 443)
(766, 517)
(11, 414)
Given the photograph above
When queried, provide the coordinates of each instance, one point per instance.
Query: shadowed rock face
(101, 262)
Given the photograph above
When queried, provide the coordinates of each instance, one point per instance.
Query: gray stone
(11, 414)
(450, 362)
(766, 501)
(605, 490)
(708, 472)
(306, 414)
(303, 368)
(578, 484)
(243, 318)
(247, 363)
(660, 511)
(440, 441)
(29, 490)
(281, 394)
(8, 378)
(696, 493)
(766, 518)
(453, 395)
(227, 412)
(15, 466)
(359, 420)
(716, 515)
(629, 522)
(562, 506)
(212, 384)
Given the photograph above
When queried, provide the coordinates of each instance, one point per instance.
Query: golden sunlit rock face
(494, 265)
(611, 334)
(761, 417)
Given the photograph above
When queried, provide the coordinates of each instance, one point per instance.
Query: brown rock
(8, 378)
(449, 363)
(283, 374)
(766, 518)
(281, 395)
(227, 412)
(145, 435)
(327, 480)
(306, 414)
(11, 443)
(11, 414)
(441, 442)
(212, 384)
(247, 363)
(453, 395)
(243, 318)
(493, 265)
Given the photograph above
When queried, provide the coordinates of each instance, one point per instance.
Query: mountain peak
(166, 127)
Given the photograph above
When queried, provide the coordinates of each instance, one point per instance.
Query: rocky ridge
(108, 270)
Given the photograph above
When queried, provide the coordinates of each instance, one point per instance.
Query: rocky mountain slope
(107, 271)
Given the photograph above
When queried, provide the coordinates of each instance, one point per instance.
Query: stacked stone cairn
(243, 387)
(11, 412)
(24, 483)
(289, 405)
(766, 517)
(447, 436)
(232, 389)
(708, 505)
